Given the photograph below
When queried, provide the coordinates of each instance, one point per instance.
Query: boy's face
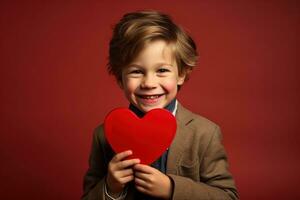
(151, 80)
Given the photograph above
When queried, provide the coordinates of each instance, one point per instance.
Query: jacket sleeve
(216, 181)
(94, 179)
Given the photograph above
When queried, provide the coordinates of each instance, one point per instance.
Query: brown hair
(136, 29)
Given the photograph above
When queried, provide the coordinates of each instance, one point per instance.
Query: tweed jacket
(196, 164)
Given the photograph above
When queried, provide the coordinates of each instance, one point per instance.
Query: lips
(146, 102)
(149, 99)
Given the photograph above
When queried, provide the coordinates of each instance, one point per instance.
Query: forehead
(155, 51)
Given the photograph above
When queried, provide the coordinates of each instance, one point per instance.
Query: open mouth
(150, 96)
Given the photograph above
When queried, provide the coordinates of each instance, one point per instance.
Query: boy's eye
(135, 71)
(162, 70)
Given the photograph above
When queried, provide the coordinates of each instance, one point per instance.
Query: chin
(148, 108)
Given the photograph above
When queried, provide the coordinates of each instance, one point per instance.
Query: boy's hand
(120, 172)
(151, 181)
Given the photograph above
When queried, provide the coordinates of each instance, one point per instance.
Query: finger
(126, 179)
(141, 189)
(142, 176)
(127, 163)
(143, 168)
(141, 182)
(125, 172)
(120, 156)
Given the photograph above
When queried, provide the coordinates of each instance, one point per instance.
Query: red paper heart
(147, 137)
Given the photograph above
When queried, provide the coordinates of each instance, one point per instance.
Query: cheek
(130, 86)
(170, 85)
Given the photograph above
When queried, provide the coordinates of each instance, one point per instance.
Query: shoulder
(98, 134)
(193, 120)
(99, 129)
(100, 141)
(197, 128)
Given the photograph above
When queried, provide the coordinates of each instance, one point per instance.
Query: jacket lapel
(176, 150)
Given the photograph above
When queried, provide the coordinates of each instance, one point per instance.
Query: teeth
(150, 97)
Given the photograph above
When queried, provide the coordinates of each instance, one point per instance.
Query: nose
(148, 82)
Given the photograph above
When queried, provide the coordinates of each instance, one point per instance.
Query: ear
(181, 79)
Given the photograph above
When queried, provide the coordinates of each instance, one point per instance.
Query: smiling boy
(151, 57)
(151, 80)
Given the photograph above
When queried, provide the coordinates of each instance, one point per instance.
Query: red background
(55, 89)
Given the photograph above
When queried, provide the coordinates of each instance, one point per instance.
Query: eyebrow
(134, 65)
(157, 64)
